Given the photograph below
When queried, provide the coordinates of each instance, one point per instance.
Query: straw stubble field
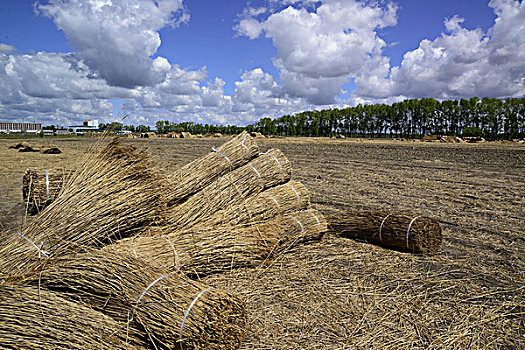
(345, 294)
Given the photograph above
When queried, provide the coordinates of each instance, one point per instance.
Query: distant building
(62, 131)
(33, 128)
(88, 125)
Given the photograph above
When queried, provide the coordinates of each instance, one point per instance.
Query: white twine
(174, 251)
(222, 154)
(260, 177)
(242, 144)
(296, 193)
(318, 222)
(47, 184)
(188, 311)
(409, 226)
(134, 252)
(144, 292)
(302, 227)
(275, 200)
(40, 251)
(277, 160)
(381, 226)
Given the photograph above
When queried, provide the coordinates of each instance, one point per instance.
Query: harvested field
(346, 294)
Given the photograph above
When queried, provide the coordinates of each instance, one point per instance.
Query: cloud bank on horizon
(320, 46)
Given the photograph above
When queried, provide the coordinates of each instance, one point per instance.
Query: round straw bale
(269, 169)
(41, 187)
(114, 195)
(196, 175)
(399, 231)
(163, 305)
(37, 319)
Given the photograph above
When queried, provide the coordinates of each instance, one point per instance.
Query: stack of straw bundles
(172, 310)
(269, 169)
(115, 194)
(204, 250)
(404, 232)
(196, 175)
(41, 187)
(37, 319)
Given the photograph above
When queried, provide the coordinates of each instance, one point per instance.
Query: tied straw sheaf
(278, 200)
(153, 301)
(41, 187)
(115, 193)
(400, 231)
(196, 175)
(203, 250)
(38, 319)
(275, 201)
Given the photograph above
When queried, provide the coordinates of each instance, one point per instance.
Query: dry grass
(344, 294)
(341, 294)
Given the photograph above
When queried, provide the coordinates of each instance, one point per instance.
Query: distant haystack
(256, 134)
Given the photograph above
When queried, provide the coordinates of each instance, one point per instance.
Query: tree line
(165, 126)
(492, 118)
(412, 118)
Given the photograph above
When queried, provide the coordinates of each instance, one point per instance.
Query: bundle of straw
(201, 251)
(170, 309)
(404, 232)
(205, 250)
(267, 170)
(275, 201)
(196, 175)
(308, 226)
(41, 187)
(37, 319)
(115, 194)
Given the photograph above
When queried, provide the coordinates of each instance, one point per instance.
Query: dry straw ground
(345, 294)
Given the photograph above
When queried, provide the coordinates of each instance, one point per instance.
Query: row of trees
(194, 128)
(119, 126)
(489, 117)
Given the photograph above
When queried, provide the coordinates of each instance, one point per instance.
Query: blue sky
(236, 61)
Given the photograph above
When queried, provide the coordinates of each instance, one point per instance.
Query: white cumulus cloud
(6, 49)
(461, 62)
(320, 48)
(116, 38)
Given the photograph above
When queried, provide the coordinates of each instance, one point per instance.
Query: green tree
(114, 126)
